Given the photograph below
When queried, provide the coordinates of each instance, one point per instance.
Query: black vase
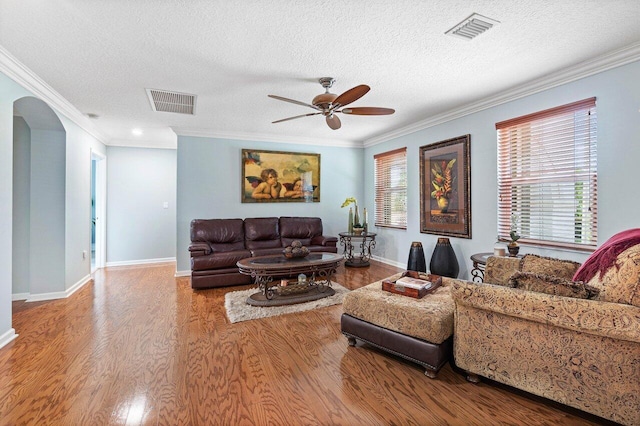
(443, 260)
(416, 260)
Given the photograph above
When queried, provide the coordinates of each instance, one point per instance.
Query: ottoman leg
(351, 340)
(432, 374)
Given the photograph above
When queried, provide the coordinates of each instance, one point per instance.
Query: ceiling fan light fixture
(328, 104)
(472, 27)
(324, 99)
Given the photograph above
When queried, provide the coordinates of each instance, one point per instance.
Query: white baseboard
(19, 296)
(58, 294)
(389, 262)
(141, 261)
(7, 337)
(182, 274)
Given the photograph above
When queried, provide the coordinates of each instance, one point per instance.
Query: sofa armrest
(199, 249)
(321, 240)
(613, 320)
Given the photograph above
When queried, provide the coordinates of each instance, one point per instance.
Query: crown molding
(18, 72)
(298, 140)
(129, 143)
(614, 59)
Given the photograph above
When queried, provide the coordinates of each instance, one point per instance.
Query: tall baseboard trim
(141, 261)
(59, 294)
(183, 274)
(389, 262)
(7, 337)
(19, 296)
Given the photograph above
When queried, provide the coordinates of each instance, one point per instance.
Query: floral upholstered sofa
(530, 325)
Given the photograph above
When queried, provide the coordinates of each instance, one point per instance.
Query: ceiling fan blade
(280, 98)
(297, 116)
(351, 95)
(367, 111)
(333, 122)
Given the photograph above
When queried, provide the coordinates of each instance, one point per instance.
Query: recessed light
(92, 115)
(137, 132)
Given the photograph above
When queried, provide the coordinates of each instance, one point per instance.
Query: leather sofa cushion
(222, 234)
(299, 228)
(549, 266)
(275, 251)
(262, 232)
(218, 260)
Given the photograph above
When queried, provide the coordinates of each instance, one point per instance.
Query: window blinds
(391, 189)
(547, 176)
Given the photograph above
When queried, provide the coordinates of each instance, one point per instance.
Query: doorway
(98, 210)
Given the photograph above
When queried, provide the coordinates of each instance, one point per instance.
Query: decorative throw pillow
(621, 282)
(542, 283)
(499, 269)
(549, 266)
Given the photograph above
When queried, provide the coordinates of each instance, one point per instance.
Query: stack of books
(413, 285)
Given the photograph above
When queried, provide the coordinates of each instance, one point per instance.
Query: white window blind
(391, 189)
(547, 176)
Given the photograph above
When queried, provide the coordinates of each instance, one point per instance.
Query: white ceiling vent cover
(181, 103)
(472, 27)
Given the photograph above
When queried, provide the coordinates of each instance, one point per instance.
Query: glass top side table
(357, 248)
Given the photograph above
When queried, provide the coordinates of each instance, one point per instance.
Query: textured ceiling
(102, 55)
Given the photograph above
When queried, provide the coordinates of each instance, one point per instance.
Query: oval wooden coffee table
(319, 267)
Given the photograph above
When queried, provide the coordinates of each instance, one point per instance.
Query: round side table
(479, 262)
(364, 241)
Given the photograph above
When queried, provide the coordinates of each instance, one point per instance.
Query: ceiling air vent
(471, 27)
(181, 103)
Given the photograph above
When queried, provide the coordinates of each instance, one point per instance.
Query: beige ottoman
(419, 330)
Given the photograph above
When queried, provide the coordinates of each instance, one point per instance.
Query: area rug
(238, 310)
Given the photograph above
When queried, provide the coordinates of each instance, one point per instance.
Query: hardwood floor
(138, 346)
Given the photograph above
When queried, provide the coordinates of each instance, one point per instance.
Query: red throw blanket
(605, 256)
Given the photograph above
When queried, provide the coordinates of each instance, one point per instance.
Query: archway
(39, 160)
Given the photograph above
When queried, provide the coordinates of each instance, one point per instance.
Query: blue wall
(139, 227)
(210, 173)
(618, 100)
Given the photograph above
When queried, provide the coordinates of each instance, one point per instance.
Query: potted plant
(513, 246)
(354, 218)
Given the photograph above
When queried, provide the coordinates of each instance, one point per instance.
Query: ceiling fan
(329, 104)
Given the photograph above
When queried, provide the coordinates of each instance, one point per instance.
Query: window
(547, 177)
(391, 189)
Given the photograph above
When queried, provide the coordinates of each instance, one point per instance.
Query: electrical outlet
(84, 254)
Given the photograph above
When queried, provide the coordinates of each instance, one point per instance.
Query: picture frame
(445, 187)
(280, 176)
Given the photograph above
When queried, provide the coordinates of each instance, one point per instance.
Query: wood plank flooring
(140, 347)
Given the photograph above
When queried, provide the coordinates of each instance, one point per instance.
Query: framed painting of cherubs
(278, 176)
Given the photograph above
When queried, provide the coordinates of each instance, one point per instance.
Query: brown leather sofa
(218, 244)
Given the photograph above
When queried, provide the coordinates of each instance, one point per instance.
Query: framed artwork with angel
(278, 176)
